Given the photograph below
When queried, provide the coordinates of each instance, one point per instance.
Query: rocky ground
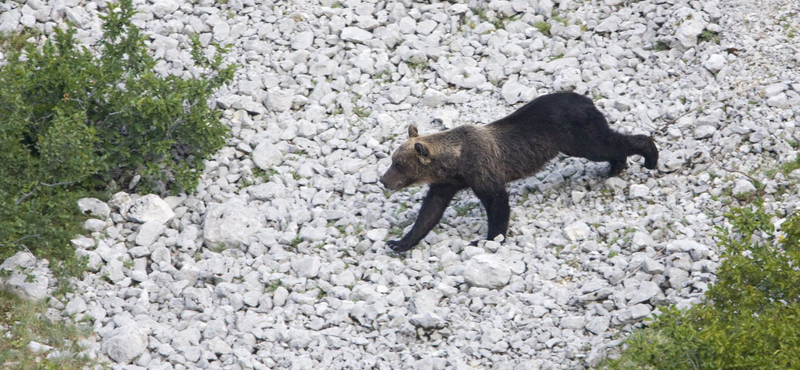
(279, 259)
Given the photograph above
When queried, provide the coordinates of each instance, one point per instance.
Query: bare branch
(28, 195)
(25, 196)
(56, 184)
(19, 240)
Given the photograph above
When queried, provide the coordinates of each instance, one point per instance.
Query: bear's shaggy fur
(485, 158)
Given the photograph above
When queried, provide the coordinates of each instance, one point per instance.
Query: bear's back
(552, 111)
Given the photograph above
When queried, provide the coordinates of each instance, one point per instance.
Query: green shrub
(75, 122)
(750, 318)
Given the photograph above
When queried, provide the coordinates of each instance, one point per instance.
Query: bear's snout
(392, 179)
(387, 183)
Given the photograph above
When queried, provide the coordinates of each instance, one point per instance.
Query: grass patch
(23, 322)
(788, 167)
(264, 175)
(558, 18)
(709, 36)
(417, 65)
(381, 75)
(463, 210)
(480, 13)
(543, 27)
(217, 248)
(498, 23)
(785, 168)
(362, 112)
(396, 231)
(294, 243)
(660, 46)
(273, 286)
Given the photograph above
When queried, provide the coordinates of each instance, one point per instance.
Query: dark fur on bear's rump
(485, 158)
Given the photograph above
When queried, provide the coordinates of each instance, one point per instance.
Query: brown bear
(485, 158)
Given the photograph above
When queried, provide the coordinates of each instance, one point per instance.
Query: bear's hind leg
(498, 211)
(617, 166)
(616, 148)
(596, 141)
(644, 146)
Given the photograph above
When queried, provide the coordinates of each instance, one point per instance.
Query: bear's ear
(422, 149)
(412, 131)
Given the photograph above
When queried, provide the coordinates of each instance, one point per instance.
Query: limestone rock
(126, 343)
(148, 208)
(230, 223)
(22, 277)
(487, 271)
(94, 207)
(266, 156)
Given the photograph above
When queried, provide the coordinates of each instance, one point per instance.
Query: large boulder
(126, 343)
(148, 208)
(94, 207)
(20, 275)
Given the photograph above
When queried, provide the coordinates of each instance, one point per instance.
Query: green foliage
(396, 231)
(417, 65)
(480, 13)
(294, 243)
(558, 18)
(381, 75)
(17, 41)
(25, 322)
(464, 209)
(273, 286)
(74, 122)
(788, 167)
(709, 36)
(543, 27)
(750, 318)
(660, 46)
(361, 112)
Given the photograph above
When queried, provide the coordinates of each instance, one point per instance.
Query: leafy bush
(750, 318)
(75, 122)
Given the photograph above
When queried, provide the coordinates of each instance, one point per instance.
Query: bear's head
(410, 163)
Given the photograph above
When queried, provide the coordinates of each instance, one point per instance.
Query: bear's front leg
(436, 201)
(498, 210)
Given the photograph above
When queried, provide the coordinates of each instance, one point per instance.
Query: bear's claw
(398, 246)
